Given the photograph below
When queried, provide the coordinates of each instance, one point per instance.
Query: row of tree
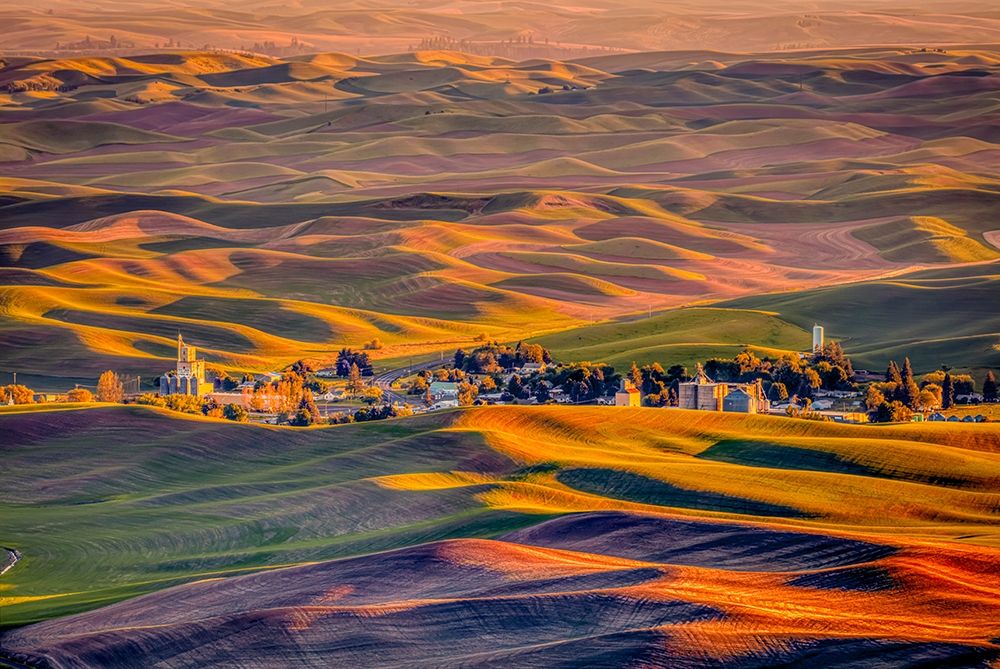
(492, 358)
(346, 358)
(829, 369)
(109, 389)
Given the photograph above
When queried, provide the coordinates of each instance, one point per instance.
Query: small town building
(239, 398)
(865, 376)
(443, 390)
(853, 417)
(529, 368)
(188, 378)
(628, 395)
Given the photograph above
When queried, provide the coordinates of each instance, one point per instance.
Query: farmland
(275, 209)
(547, 498)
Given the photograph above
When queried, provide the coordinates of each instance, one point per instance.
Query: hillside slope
(624, 533)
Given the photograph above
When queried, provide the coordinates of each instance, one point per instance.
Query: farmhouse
(189, 376)
(704, 394)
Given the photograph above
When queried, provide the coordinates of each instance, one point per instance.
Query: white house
(444, 390)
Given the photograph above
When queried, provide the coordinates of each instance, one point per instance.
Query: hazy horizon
(566, 29)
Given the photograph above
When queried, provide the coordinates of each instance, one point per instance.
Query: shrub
(79, 395)
(235, 412)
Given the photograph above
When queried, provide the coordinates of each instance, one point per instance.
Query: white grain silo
(817, 338)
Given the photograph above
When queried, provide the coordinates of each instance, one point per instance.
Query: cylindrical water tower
(817, 338)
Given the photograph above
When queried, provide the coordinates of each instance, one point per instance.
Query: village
(820, 384)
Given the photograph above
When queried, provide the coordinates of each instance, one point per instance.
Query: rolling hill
(549, 532)
(280, 208)
(934, 316)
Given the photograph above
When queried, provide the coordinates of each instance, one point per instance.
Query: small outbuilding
(628, 395)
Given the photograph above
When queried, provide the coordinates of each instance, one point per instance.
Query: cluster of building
(188, 378)
(700, 393)
(704, 394)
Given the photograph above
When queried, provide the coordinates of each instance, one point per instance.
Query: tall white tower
(817, 338)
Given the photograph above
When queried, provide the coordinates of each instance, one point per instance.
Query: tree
(226, 383)
(747, 361)
(467, 394)
(900, 413)
(487, 385)
(212, 409)
(302, 418)
(635, 376)
(810, 382)
(355, 384)
(302, 367)
(20, 394)
(990, 387)
(373, 395)
(419, 386)
(935, 390)
(515, 387)
(347, 357)
(79, 395)
(778, 392)
(893, 375)
(542, 393)
(677, 373)
(908, 389)
(874, 398)
(927, 400)
(309, 404)
(947, 392)
(109, 387)
(235, 412)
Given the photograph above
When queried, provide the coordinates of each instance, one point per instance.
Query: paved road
(13, 555)
(387, 378)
